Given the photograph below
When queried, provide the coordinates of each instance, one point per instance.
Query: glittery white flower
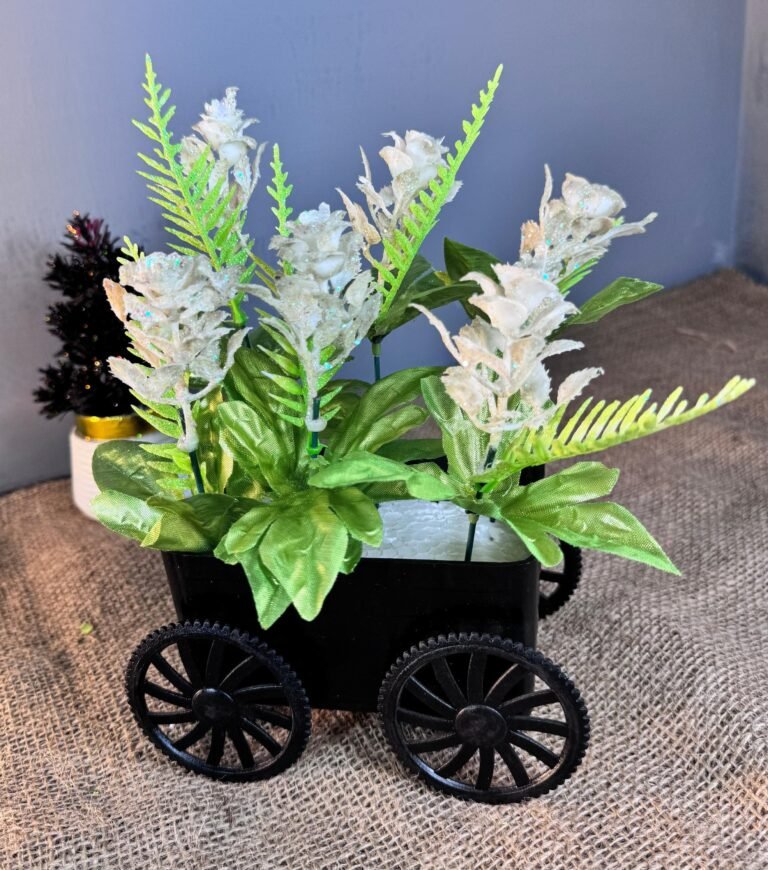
(413, 161)
(574, 229)
(319, 246)
(501, 382)
(324, 302)
(222, 126)
(174, 315)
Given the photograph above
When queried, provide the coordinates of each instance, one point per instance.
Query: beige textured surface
(674, 670)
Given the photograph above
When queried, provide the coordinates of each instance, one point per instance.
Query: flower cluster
(413, 162)
(501, 382)
(325, 303)
(175, 317)
(575, 229)
(222, 128)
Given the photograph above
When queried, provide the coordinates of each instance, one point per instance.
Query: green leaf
(358, 513)
(194, 525)
(423, 286)
(608, 527)
(256, 445)
(123, 466)
(461, 259)
(127, 515)
(412, 449)
(539, 543)
(363, 468)
(391, 392)
(270, 598)
(304, 550)
(620, 292)
(583, 481)
(247, 531)
(352, 556)
(465, 446)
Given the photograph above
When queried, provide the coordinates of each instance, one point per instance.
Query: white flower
(324, 302)
(318, 245)
(501, 382)
(222, 126)
(175, 317)
(574, 229)
(413, 162)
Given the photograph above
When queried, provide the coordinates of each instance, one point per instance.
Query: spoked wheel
(218, 702)
(484, 718)
(556, 585)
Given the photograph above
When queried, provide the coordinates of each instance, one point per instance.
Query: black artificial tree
(79, 380)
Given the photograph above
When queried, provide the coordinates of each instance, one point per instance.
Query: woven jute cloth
(674, 671)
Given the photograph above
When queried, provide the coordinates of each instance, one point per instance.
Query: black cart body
(369, 618)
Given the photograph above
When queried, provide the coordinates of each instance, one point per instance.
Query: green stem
(376, 351)
(193, 461)
(196, 471)
(473, 518)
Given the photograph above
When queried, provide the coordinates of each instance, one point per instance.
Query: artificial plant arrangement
(280, 464)
(79, 380)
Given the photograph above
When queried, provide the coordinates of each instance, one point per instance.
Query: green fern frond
(595, 427)
(423, 213)
(130, 250)
(280, 191)
(188, 200)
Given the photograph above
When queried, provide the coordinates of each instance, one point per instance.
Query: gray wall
(752, 215)
(642, 96)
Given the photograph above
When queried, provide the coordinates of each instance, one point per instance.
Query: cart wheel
(484, 718)
(218, 702)
(557, 586)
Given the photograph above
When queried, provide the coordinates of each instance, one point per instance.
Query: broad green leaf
(584, 481)
(125, 467)
(365, 468)
(194, 525)
(304, 550)
(379, 399)
(412, 449)
(605, 526)
(620, 292)
(248, 530)
(352, 556)
(127, 515)
(539, 543)
(269, 597)
(256, 446)
(465, 446)
(393, 426)
(461, 259)
(422, 285)
(358, 513)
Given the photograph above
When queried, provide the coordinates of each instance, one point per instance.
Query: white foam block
(438, 530)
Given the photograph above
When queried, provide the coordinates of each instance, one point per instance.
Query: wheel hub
(481, 725)
(213, 705)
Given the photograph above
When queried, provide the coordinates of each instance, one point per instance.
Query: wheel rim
(557, 585)
(485, 719)
(217, 702)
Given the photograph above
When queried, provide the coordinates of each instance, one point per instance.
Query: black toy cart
(444, 650)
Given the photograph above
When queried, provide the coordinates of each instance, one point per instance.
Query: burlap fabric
(674, 671)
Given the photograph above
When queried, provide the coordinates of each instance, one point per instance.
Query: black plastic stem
(376, 351)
